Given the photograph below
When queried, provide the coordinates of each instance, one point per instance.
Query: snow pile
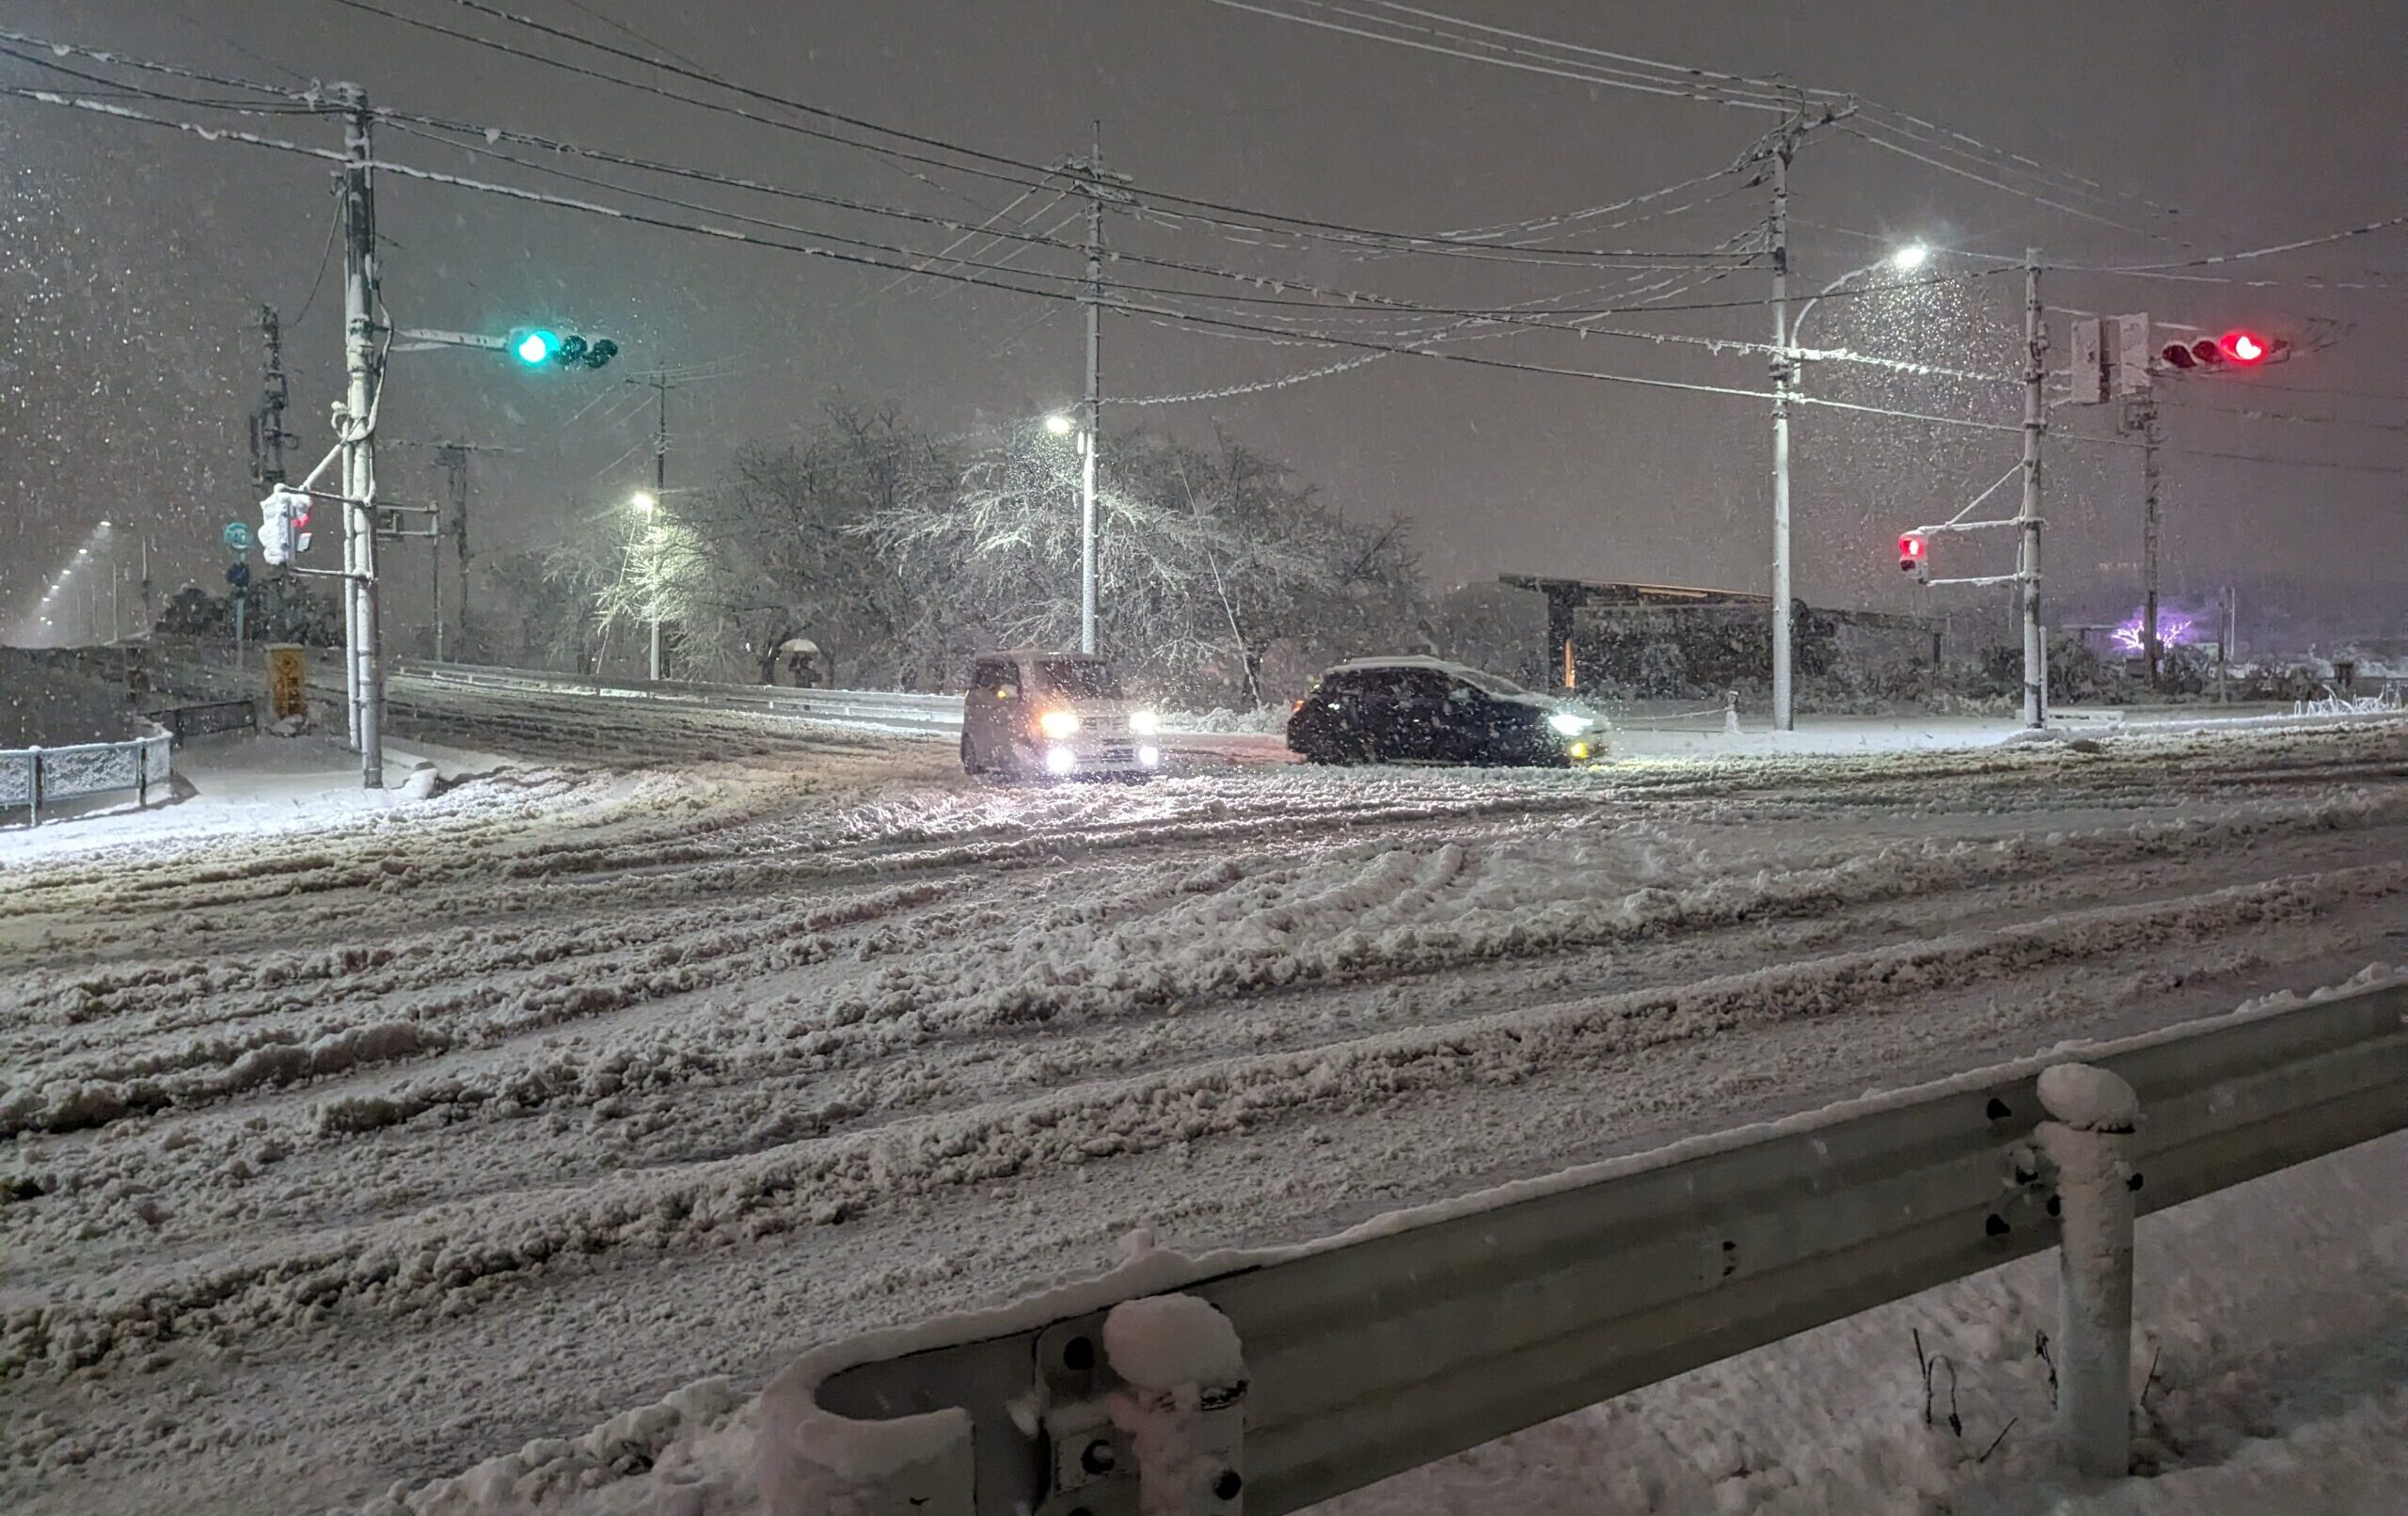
(671, 1458)
(1262, 721)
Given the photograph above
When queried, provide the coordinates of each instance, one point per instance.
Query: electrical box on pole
(2110, 359)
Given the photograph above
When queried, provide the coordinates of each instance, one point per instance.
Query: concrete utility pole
(2036, 422)
(1094, 436)
(2152, 434)
(661, 386)
(1784, 707)
(453, 460)
(355, 426)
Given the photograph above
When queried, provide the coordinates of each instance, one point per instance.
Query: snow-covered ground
(341, 1156)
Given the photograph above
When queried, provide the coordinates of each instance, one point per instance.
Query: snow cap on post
(2088, 1098)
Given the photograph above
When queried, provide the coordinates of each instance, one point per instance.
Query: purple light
(2172, 628)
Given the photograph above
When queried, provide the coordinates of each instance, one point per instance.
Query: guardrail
(32, 777)
(1269, 1380)
(886, 708)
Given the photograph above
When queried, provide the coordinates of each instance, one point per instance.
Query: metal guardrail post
(2088, 1143)
(1180, 1403)
(33, 785)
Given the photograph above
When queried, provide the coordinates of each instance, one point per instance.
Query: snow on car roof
(1407, 660)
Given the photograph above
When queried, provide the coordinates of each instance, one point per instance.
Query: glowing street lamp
(1060, 425)
(1788, 370)
(644, 501)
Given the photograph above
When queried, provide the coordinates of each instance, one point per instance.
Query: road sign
(237, 536)
(287, 684)
(238, 574)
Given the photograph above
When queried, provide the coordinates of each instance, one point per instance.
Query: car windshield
(1077, 678)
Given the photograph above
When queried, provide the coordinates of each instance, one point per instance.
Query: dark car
(1383, 710)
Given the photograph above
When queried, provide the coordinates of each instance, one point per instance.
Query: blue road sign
(238, 537)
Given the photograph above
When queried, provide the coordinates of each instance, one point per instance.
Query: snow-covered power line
(2212, 260)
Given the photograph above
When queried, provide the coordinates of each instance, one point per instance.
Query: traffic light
(284, 526)
(536, 346)
(2241, 349)
(1915, 556)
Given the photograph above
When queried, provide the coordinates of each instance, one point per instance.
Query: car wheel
(969, 763)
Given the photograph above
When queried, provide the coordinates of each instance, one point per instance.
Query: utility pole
(659, 493)
(453, 460)
(1094, 436)
(2036, 412)
(356, 427)
(2152, 434)
(268, 435)
(1784, 707)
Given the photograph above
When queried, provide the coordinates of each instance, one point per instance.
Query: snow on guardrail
(1425, 1333)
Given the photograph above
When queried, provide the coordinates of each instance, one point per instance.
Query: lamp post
(1788, 368)
(647, 504)
(1061, 425)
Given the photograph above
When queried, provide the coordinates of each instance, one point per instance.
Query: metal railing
(1343, 1362)
(885, 708)
(200, 718)
(34, 777)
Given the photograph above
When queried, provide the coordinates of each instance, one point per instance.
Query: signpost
(288, 691)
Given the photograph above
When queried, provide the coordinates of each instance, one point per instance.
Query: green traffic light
(536, 346)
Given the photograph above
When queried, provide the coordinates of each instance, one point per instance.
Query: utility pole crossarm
(419, 339)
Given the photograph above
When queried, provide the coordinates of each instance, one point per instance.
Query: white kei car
(1037, 715)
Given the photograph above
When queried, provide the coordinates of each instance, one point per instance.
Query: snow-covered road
(353, 1153)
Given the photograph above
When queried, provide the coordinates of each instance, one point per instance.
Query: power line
(2286, 415)
(1870, 113)
(1888, 146)
(2212, 260)
(981, 159)
(1742, 100)
(250, 139)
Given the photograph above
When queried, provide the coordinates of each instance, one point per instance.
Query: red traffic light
(1910, 547)
(2245, 347)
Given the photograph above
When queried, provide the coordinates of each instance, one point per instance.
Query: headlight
(1568, 725)
(1060, 761)
(1148, 756)
(1144, 724)
(1058, 724)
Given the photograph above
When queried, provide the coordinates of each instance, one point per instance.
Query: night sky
(131, 261)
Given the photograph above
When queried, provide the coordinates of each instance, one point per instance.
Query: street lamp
(1060, 425)
(1788, 369)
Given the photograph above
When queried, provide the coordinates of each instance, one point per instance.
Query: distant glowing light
(2172, 629)
(1059, 424)
(1913, 256)
(642, 500)
(536, 346)
(2245, 347)
(1060, 760)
